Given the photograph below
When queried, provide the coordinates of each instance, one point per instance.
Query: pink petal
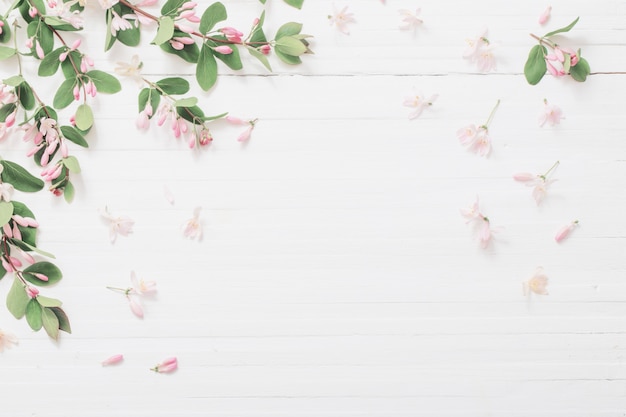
(113, 360)
(135, 307)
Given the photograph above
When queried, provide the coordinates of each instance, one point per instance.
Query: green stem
(493, 112)
(15, 2)
(556, 164)
(543, 40)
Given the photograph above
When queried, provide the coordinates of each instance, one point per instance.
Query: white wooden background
(336, 276)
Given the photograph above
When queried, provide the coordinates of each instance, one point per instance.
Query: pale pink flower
(135, 306)
(140, 286)
(107, 4)
(166, 366)
(481, 144)
(472, 213)
(131, 69)
(192, 228)
(6, 190)
(7, 340)
(115, 359)
(479, 50)
(418, 102)
(410, 20)
(551, 114)
(480, 223)
(474, 45)
(121, 22)
(477, 139)
(143, 118)
(341, 19)
(539, 182)
(31, 291)
(485, 60)
(122, 225)
(545, 16)
(484, 232)
(536, 284)
(565, 231)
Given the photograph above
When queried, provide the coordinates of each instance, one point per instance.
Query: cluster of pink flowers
(555, 62)
(45, 136)
(7, 95)
(477, 139)
(480, 51)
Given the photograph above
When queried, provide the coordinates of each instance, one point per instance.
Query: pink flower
(140, 286)
(545, 16)
(410, 20)
(485, 60)
(107, 4)
(565, 231)
(341, 19)
(536, 284)
(481, 144)
(265, 49)
(472, 213)
(480, 223)
(143, 118)
(192, 228)
(166, 366)
(418, 102)
(232, 34)
(480, 51)
(477, 139)
(540, 182)
(115, 359)
(551, 114)
(484, 233)
(121, 22)
(245, 135)
(7, 340)
(121, 225)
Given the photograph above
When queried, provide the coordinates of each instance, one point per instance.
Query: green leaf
(46, 38)
(50, 63)
(43, 267)
(72, 164)
(130, 37)
(219, 116)
(110, 38)
(50, 323)
(3, 271)
(165, 31)
(212, 15)
(535, 67)
(262, 1)
(33, 315)
(6, 110)
(289, 45)
(72, 134)
(562, 30)
(5, 36)
(6, 52)
(258, 35)
(295, 3)
(64, 322)
(65, 94)
(21, 243)
(259, 55)
(45, 112)
(13, 81)
(29, 234)
(17, 299)
(192, 114)
(287, 59)
(186, 102)
(189, 53)
(6, 211)
(288, 29)
(171, 6)
(580, 71)
(20, 178)
(25, 93)
(68, 192)
(206, 70)
(173, 85)
(84, 117)
(148, 94)
(105, 83)
(49, 302)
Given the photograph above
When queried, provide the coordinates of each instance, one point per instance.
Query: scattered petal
(192, 228)
(169, 196)
(545, 16)
(410, 20)
(166, 366)
(551, 114)
(115, 359)
(565, 231)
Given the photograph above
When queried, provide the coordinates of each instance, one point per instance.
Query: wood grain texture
(336, 276)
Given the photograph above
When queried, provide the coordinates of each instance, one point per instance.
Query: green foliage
(25, 93)
(6, 211)
(43, 267)
(165, 31)
(19, 177)
(105, 83)
(214, 14)
(65, 94)
(171, 6)
(17, 299)
(563, 29)
(535, 67)
(189, 53)
(5, 36)
(6, 52)
(173, 85)
(580, 71)
(50, 64)
(33, 314)
(206, 70)
(72, 134)
(84, 117)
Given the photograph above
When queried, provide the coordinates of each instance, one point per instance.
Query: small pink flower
(480, 223)
(551, 114)
(418, 102)
(565, 231)
(122, 225)
(480, 51)
(115, 359)
(484, 232)
(341, 19)
(536, 284)
(410, 20)
(166, 366)
(265, 49)
(41, 277)
(472, 213)
(545, 16)
(540, 182)
(192, 228)
(140, 286)
(477, 139)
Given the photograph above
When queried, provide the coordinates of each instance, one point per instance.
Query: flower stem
(492, 113)
(544, 41)
(556, 164)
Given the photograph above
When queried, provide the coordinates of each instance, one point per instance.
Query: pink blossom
(482, 143)
(545, 16)
(480, 51)
(265, 49)
(121, 225)
(245, 135)
(7, 340)
(477, 139)
(472, 213)
(112, 360)
(540, 182)
(485, 60)
(418, 102)
(39, 276)
(166, 366)
(341, 19)
(140, 286)
(565, 231)
(31, 291)
(121, 22)
(192, 228)
(480, 223)
(39, 50)
(536, 284)
(525, 177)
(232, 34)
(551, 114)
(410, 20)
(236, 120)
(484, 232)
(25, 221)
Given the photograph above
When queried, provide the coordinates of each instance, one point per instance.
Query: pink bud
(7, 266)
(76, 92)
(73, 120)
(39, 50)
(574, 60)
(524, 177)
(188, 5)
(185, 28)
(32, 291)
(255, 21)
(45, 158)
(551, 69)
(63, 149)
(235, 120)
(40, 276)
(29, 43)
(33, 151)
(265, 49)
(113, 360)
(76, 44)
(176, 45)
(224, 49)
(10, 120)
(545, 16)
(15, 261)
(245, 135)
(63, 56)
(187, 14)
(32, 12)
(16, 232)
(565, 231)
(27, 257)
(559, 54)
(7, 230)
(168, 365)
